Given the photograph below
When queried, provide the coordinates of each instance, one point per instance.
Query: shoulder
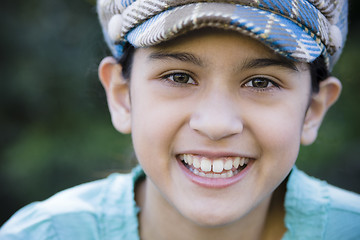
(344, 214)
(80, 212)
(317, 208)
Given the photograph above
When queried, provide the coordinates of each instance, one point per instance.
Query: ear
(117, 93)
(320, 102)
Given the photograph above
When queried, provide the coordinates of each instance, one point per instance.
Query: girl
(218, 97)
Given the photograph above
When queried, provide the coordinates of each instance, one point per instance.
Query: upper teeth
(216, 165)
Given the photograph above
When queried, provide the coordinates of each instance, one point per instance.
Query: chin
(212, 220)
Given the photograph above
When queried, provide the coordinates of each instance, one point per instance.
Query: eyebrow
(180, 56)
(248, 63)
(268, 62)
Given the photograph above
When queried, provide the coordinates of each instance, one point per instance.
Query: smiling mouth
(224, 167)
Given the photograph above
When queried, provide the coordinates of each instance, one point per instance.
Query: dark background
(55, 130)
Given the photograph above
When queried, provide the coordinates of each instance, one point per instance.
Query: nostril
(216, 127)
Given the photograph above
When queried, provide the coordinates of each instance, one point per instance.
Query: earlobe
(329, 92)
(117, 93)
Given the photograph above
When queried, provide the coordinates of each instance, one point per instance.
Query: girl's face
(216, 121)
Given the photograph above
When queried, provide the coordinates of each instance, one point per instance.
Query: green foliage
(55, 127)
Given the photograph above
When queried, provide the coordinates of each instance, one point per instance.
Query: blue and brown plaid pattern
(298, 29)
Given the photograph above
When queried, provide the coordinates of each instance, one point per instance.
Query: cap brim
(277, 32)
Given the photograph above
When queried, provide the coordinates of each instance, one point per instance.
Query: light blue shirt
(106, 209)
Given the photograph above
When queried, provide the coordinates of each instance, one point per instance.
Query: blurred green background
(55, 130)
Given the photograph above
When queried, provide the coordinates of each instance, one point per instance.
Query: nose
(216, 117)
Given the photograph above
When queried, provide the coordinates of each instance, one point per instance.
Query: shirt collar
(306, 203)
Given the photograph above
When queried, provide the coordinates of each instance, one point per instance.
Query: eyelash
(262, 89)
(170, 78)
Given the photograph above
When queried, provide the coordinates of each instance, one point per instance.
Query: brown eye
(260, 82)
(180, 78)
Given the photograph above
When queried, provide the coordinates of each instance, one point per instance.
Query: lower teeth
(224, 174)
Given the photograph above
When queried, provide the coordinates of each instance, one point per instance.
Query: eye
(260, 83)
(180, 78)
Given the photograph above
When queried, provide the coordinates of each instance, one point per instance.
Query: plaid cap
(300, 30)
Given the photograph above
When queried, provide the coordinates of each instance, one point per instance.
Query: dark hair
(318, 69)
(126, 60)
(318, 73)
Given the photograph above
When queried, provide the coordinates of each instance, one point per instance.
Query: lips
(223, 167)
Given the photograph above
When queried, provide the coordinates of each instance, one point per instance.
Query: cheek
(155, 123)
(278, 130)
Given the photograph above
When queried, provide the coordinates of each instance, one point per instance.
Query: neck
(160, 220)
